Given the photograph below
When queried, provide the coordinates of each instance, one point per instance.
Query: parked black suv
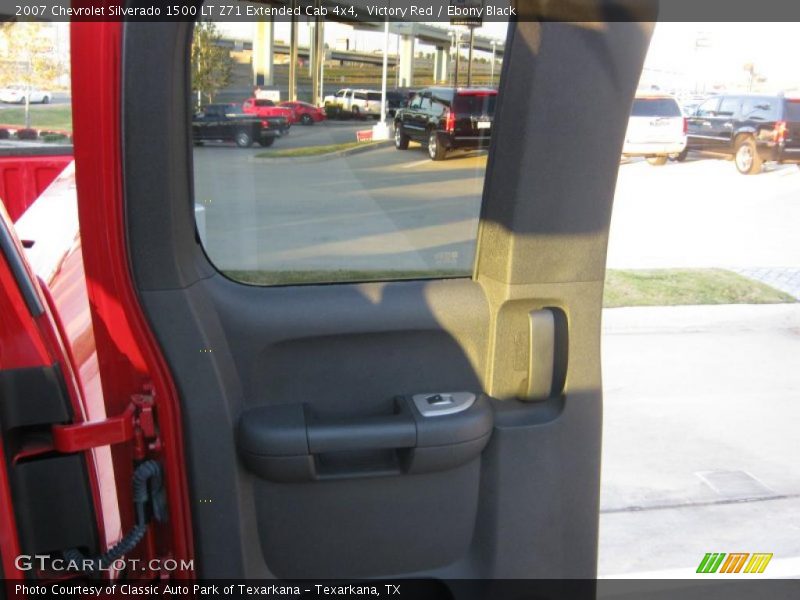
(445, 119)
(227, 122)
(395, 100)
(752, 128)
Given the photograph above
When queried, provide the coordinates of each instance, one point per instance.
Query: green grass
(42, 117)
(659, 287)
(313, 150)
(673, 287)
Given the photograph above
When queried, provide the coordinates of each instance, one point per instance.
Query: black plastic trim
(17, 265)
(52, 498)
(31, 397)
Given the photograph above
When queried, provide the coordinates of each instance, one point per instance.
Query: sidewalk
(702, 406)
(786, 279)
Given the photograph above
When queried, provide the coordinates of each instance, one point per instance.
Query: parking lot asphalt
(703, 213)
(322, 134)
(700, 439)
(381, 209)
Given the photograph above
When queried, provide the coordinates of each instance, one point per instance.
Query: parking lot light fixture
(381, 130)
(494, 50)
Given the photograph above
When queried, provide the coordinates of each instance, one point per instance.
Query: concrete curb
(688, 319)
(39, 130)
(323, 157)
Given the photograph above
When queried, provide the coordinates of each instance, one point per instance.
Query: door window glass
(729, 107)
(475, 104)
(279, 203)
(708, 108)
(655, 107)
(793, 110)
(759, 109)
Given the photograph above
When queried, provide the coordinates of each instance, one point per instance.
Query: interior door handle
(547, 347)
(369, 433)
(541, 353)
(289, 443)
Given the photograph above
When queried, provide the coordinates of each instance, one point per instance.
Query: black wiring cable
(148, 472)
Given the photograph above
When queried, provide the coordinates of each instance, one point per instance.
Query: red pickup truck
(261, 107)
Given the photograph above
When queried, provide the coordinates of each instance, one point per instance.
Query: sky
(726, 47)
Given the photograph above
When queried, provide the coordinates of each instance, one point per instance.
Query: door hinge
(136, 424)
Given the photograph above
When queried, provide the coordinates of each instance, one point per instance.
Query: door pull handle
(547, 353)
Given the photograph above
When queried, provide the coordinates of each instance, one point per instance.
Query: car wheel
(435, 150)
(400, 138)
(306, 120)
(680, 157)
(45, 99)
(243, 139)
(747, 160)
(266, 142)
(657, 161)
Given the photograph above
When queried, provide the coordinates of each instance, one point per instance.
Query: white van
(357, 102)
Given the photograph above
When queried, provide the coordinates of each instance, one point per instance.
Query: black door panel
(525, 503)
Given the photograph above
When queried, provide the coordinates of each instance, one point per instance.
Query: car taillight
(779, 133)
(685, 125)
(449, 121)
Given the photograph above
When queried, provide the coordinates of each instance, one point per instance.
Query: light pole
(311, 37)
(452, 36)
(469, 54)
(381, 130)
(293, 54)
(494, 48)
(702, 40)
(458, 57)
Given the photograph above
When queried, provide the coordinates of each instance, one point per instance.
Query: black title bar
(472, 12)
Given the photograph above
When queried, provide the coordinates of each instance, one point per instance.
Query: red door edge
(37, 339)
(129, 357)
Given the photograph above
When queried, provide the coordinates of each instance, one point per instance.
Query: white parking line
(416, 163)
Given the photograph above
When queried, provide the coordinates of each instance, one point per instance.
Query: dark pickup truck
(227, 122)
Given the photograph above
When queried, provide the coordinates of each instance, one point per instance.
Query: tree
(29, 59)
(211, 63)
